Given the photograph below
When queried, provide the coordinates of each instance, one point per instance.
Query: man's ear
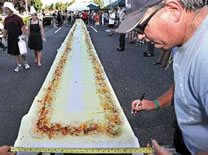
(175, 9)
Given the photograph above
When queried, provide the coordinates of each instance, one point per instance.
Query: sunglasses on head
(141, 27)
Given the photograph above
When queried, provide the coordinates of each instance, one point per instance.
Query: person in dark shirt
(59, 18)
(13, 28)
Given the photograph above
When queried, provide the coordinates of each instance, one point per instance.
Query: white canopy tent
(77, 6)
(92, 4)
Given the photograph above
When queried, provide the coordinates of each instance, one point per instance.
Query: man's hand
(4, 150)
(144, 105)
(158, 150)
(23, 37)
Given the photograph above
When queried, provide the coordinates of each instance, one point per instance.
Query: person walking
(72, 17)
(35, 36)
(150, 50)
(111, 21)
(14, 28)
(69, 17)
(59, 18)
(97, 20)
(106, 18)
(122, 35)
(54, 21)
(181, 23)
(164, 58)
(102, 18)
(84, 17)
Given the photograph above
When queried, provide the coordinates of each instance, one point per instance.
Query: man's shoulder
(17, 17)
(6, 18)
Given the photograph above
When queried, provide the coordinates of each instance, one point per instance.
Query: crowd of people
(112, 19)
(59, 18)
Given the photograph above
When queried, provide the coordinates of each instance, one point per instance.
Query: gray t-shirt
(191, 89)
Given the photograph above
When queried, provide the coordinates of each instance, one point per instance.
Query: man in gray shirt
(182, 23)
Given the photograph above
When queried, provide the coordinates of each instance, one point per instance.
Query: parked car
(47, 20)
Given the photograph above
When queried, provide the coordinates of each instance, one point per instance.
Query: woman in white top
(112, 22)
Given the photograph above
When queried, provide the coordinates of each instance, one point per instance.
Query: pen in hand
(138, 103)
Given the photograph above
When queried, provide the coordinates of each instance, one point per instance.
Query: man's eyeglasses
(140, 28)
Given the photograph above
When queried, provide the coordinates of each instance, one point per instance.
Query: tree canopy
(37, 4)
(59, 6)
(99, 2)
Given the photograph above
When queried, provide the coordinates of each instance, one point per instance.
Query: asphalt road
(129, 72)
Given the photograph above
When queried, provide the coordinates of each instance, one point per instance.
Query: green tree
(59, 6)
(51, 8)
(70, 3)
(99, 2)
(37, 4)
(62, 6)
(47, 7)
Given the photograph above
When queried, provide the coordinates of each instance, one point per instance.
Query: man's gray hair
(192, 5)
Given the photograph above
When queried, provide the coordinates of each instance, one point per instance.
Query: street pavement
(129, 72)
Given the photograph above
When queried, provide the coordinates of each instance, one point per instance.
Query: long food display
(76, 106)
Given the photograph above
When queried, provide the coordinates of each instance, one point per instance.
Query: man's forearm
(4, 33)
(167, 99)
